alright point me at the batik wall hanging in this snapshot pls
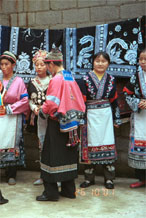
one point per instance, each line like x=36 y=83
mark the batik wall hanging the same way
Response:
x=24 y=43
x=120 y=40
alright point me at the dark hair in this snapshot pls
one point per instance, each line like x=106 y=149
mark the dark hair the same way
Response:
x=57 y=63
x=139 y=51
x=7 y=58
x=142 y=51
x=104 y=54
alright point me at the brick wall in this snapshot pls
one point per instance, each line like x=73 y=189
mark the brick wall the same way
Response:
x=58 y=14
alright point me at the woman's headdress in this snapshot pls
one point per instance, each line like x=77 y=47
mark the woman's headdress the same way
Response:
x=39 y=55
x=9 y=55
x=54 y=55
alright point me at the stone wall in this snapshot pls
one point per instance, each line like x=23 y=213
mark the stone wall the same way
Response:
x=59 y=14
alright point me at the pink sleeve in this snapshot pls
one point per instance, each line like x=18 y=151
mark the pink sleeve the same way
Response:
x=53 y=96
x=22 y=105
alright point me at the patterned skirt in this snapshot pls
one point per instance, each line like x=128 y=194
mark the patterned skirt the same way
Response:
x=137 y=145
x=97 y=136
x=58 y=162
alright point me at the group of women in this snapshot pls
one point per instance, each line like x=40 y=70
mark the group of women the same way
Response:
x=59 y=105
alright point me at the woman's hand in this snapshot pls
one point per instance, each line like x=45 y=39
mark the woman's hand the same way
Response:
x=116 y=125
x=36 y=111
x=142 y=104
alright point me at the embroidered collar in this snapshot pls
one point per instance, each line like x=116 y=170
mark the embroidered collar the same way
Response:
x=41 y=85
x=10 y=81
x=98 y=83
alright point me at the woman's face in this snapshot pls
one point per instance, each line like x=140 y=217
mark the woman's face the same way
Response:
x=100 y=64
x=6 y=67
x=142 y=60
x=40 y=68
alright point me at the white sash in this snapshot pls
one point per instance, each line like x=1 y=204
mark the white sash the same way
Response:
x=140 y=125
x=100 y=129
x=8 y=125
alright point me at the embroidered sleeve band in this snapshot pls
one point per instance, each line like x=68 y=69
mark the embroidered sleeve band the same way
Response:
x=53 y=98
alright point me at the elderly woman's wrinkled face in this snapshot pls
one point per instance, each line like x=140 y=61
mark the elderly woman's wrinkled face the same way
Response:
x=142 y=60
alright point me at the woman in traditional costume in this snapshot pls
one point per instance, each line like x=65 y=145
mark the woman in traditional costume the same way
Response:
x=135 y=93
x=37 y=88
x=65 y=107
x=14 y=104
x=97 y=136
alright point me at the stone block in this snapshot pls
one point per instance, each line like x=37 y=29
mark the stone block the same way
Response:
x=40 y=27
x=12 y=6
x=14 y=20
x=121 y=2
x=62 y=4
x=134 y=10
x=50 y=17
x=4 y=20
x=76 y=15
x=91 y=3
x=80 y=25
x=0 y=7
x=104 y=13
x=112 y=21
x=62 y=26
x=36 y=5
x=31 y=19
x=22 y=21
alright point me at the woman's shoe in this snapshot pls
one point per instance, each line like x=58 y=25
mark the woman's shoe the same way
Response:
x=63 y=194
x=2 y=199
x=46 y=198
x=138 y=184
x=86 y=184
x=12 y=181
x=38 y=182
x=109 y=184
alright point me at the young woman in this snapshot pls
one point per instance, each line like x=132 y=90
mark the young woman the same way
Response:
x=37 y=88
x=65 y=106
x=14 y=105
x=97 y=137
x=135 y=93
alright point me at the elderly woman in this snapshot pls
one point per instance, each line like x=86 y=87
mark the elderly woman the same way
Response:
x=14 y=103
